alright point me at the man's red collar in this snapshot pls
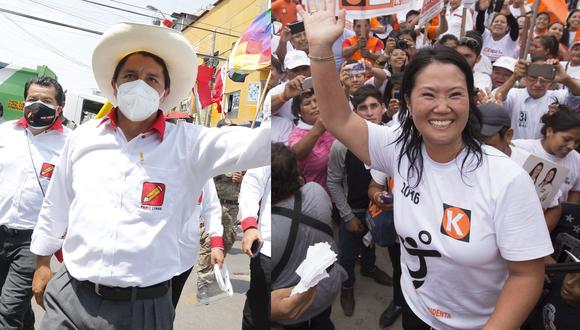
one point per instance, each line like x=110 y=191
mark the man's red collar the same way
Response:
x=57 y=125
x=158 y=125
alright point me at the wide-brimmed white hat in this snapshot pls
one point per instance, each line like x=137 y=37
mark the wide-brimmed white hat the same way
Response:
x=125 y=38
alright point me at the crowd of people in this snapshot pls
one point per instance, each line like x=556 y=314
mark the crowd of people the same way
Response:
x=431 y=126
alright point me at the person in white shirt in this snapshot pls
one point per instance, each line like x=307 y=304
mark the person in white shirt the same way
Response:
x=497 y=132
x=560 y=136
x=208 y=208
x=454 y=17
x=501 y=38
x=572 y=67
x=255 y=200
x=457 y=226
x=470 y=47
x=29 y=151
x=527 y=105
x=123 y=188
x=297 y=67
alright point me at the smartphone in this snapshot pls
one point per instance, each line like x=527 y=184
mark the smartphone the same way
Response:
x=396 y=95
x=307 y=84
x=498 y=5
x=296 y=27
x=546 y=71
x=256 y=247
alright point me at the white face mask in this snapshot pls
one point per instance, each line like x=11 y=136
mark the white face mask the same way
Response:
x=137 y=100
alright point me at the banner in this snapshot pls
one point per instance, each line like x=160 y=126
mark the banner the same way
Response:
x=360 y=9
x=430 y=9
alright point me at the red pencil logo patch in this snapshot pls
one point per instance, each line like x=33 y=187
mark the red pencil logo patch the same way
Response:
x=153 y=193
x=46 y=170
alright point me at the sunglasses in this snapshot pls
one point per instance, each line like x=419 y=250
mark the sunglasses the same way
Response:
x=469 y=42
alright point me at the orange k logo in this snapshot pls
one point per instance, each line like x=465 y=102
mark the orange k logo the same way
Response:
x=456 y=222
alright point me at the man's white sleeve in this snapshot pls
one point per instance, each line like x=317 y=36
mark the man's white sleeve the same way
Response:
x=211 y=211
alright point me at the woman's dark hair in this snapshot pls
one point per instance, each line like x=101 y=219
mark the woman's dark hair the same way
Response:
x=410 y=138
x=541 y=165
x=285 y=173
x=565 y=35
x=561 y=120
x=395 y=80
x=297 y=102
x=570 y=15
x=155 y=58
x=276 y=65
x=544 y=13
x=550 y=43
x=544 y=182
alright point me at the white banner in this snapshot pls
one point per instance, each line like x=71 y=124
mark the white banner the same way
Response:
x=361 y=9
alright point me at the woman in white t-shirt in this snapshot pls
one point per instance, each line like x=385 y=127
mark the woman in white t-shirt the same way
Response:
x=501 y=38
x=561 y=135
x=472 y=232
x=572 y=67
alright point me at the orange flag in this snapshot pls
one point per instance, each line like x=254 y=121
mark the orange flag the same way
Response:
x=557 y=8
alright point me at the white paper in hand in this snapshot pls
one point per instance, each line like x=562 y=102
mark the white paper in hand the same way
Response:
x=313 y=269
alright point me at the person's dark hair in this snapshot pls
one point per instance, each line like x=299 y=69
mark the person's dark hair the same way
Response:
x=565 y=35
x=156 y=58
x=410 y=138
x=541 y=165
x=446 y=38
x=550 y=43
x=364 y=92
x=395 y=80
x=544 y=182
x=561 y=120
x=285 y=173
x=569 y=16
x=410 y=32
x=544 y=13
x=276 y=65
x=297 y=102
x=473 y=41
x=47 y=82
x=360 y=19
x=410 y=13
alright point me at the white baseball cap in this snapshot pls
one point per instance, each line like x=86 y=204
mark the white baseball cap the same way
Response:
x=506 y=62
x=296 y=58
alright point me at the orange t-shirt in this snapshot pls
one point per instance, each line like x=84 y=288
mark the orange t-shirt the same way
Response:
x=285 y=11
x=373 y=45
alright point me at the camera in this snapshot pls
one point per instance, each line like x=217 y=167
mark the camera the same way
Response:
x=401 y=43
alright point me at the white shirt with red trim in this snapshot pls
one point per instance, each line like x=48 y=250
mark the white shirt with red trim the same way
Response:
x=207 y=206
x=124 y=204
x=255 y=197
x=23 y=171
x=458 y=228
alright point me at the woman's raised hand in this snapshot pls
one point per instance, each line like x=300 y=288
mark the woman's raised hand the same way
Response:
x=322 y=27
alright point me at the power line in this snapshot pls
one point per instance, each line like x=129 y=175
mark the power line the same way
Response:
x=68 y=13
x=49 y=21
x=117 y=8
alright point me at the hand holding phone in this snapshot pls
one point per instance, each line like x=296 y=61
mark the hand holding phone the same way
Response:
x=307 y=84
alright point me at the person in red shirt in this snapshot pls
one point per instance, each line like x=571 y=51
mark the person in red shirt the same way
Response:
x=362 y=45
x=284 y=10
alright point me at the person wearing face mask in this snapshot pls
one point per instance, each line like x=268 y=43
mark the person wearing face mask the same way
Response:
x=124 y=193
x=29 y=149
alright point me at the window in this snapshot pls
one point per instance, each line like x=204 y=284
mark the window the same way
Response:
x=233 y=104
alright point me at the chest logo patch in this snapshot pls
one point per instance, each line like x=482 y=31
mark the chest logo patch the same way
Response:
x=153 y=193
x=46 y=170
x=456 y=222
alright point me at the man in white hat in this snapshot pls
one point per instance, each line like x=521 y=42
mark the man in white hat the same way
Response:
x=124 y=188
x=503 y=69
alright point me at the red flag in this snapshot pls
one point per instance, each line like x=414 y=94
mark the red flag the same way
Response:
x=218 y=90
x=204 y=74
